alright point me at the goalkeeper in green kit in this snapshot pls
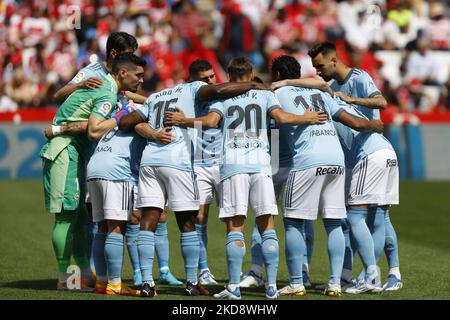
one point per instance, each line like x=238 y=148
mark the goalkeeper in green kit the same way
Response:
x=83 y=117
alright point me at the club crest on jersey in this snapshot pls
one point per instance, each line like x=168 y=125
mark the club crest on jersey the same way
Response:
x=79 y=77
x=105 y=108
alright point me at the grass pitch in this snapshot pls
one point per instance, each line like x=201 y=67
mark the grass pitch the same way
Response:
x=29 y=270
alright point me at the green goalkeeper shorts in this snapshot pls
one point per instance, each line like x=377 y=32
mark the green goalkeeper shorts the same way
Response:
x=64 y=181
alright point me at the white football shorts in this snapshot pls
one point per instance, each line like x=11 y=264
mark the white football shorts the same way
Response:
x=236 y=191
x=315 y=191
x=208 y=180
x=374 y=180
x=111 y=200
x=158 y=184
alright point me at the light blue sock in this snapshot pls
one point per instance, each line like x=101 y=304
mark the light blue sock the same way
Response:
x=235 y=256
x=114 y=255
x=98 y=252
x=348 y=257
x=295 y=249
x=357 y=219
x=309 y=239
x=190 y=249
x=375 y=222
x=336 y=248
x=146 y=249
x=271 y=252
x=131 y=236
x=256 y=252
x=92 y=228
x=162 y=245
x=202 y=233
x=391 y=245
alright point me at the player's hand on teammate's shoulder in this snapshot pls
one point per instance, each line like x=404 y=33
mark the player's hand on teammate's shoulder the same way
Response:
x=313 y=117
x=278 y=84
x=319 y=84
x=377 y=125
x=174 y=118
x=91 y=83
x=328 y=89
x=164 y=135
x=343 y=96
x=261 y=86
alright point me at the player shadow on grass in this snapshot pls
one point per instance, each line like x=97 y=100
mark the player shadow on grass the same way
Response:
x=39 y=284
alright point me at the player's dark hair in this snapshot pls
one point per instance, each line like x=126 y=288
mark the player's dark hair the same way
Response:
x=287 y=66
x=239 y=67
x=128 y=61
x=323 y=48
x=120 y=41
x=197 y=66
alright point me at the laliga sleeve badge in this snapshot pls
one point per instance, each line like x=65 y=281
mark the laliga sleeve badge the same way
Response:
x=79 y=77
x=105 y=108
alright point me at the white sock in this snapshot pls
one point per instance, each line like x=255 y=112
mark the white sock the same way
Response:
x=396 y=272
x=273 y=285
x=115 y=280
x=372 y=272
x=233 y=287
x=151 y=283
x=164 y=268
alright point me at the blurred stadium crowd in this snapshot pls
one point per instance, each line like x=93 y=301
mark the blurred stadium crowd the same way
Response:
x=402 y=44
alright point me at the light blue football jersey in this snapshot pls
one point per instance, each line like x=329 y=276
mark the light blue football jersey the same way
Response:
x=245 y=120
x=314 y=145
x=357 y=145
x=96 y=69
x=208 y=147
x=359 y=84
x=285 y=145
x=179 y=153
x=117 y=157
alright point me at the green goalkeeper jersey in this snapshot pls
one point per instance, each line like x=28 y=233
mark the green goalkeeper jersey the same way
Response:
x=78 y=107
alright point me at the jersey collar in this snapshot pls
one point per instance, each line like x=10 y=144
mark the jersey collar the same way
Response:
x=347 y=77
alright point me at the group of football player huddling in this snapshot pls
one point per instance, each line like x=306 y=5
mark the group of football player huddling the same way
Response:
x=115 y=162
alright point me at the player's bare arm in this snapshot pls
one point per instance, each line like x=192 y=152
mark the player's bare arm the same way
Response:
x=309 y=117
x=71 y=129
x=63 y=93
x=211 y=120
x=137 y=98
x=227 y=90
x=376 y=102
x=360 y=124
x=304 y=82
x=163 y=136
x=97 y=127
